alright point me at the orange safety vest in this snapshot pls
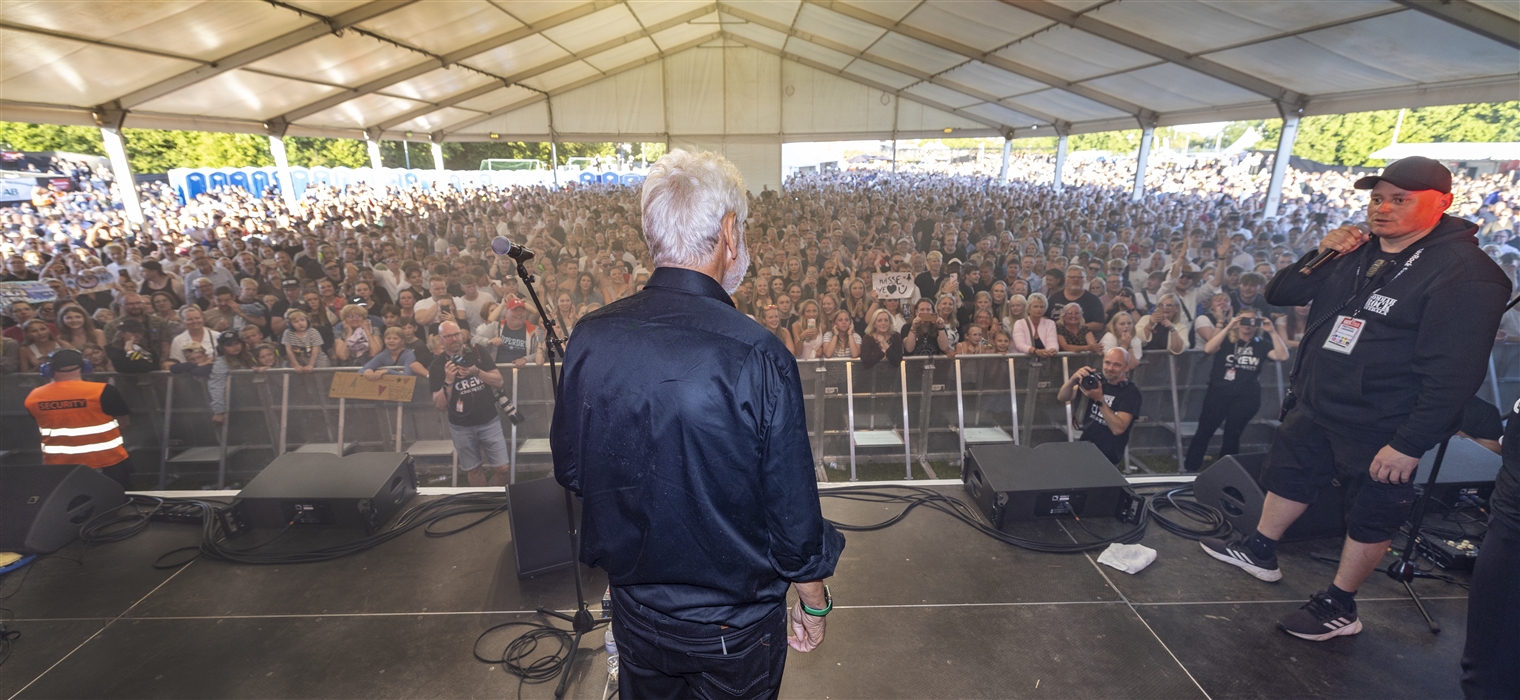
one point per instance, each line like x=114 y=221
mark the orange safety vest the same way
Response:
x=74 y=428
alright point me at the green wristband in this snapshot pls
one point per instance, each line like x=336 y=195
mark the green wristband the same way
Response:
x=828 y=600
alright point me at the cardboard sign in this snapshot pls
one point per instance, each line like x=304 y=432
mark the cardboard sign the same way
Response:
x=390 y=387
x=892 y=285
x=34 y=292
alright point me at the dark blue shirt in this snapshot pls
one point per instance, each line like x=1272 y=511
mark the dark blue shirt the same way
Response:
x=680 y=423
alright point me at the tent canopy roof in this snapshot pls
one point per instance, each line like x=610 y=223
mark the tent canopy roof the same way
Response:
x=733 y=70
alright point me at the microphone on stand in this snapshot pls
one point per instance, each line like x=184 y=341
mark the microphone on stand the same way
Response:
x=502 y=246
x=1325 y=255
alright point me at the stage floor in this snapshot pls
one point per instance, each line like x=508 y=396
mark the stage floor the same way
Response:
x=925 y=609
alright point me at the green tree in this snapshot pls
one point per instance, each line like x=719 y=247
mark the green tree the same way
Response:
x=312 y=151
x=52 y=137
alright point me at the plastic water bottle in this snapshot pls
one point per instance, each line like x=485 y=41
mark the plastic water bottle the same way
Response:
x=612 y=655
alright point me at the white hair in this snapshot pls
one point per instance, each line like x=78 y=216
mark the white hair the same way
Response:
x=686 y=196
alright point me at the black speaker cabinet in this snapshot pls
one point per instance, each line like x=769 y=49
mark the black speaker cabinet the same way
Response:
x=1233 y=485
x=308 y=489
x=541 y=522
x=1010 y=483
x=1467 y=473
x=43 y=505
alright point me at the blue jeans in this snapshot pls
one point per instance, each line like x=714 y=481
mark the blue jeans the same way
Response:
x=662 y=657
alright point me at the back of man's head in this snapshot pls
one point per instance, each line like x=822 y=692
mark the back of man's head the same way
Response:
x=685 y=199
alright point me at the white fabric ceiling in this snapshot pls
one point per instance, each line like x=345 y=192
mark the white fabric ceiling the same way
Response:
x=739 y=72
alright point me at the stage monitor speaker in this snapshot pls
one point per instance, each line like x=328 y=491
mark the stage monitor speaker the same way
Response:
x=43 y=505
x=1233 y=485
x=308 y=489
x=1010 y=483
x=1467 y=474
x=541 y=525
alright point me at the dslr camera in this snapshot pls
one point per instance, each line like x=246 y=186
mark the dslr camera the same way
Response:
x=503 y=399
x=1091 y=380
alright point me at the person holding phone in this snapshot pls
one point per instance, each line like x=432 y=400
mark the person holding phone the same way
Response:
x=807 y=336
x=1234 y=393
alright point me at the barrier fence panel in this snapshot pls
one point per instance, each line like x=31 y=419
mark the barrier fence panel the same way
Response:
x=828 y=420
x=937 y=437
x=530 y=439
x=311 y=417
x=985 y=402
x=1154 y=430
x=1503 y=386
x=877 y=427
x=885 y=417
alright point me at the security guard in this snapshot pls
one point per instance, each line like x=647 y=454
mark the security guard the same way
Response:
x=1402 y=324
x=80 y=421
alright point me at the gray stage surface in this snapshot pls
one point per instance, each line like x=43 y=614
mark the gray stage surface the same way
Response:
x=925 y=609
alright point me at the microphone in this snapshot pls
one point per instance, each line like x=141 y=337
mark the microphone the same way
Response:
x=502 y=246
x=1326 y=255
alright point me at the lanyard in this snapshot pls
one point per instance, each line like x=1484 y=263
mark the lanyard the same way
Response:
x=1403 y=261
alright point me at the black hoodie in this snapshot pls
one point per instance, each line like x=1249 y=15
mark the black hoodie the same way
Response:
x=1431 y=315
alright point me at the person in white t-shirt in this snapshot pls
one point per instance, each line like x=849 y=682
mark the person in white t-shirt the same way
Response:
x=426 y=310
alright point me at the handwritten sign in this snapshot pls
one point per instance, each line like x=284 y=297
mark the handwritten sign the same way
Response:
x=389 y=387
x=892 y=285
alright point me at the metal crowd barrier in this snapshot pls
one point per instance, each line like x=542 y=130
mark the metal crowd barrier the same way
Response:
x=919 y=414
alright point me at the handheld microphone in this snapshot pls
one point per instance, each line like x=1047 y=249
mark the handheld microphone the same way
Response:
x=502 y=246
x=1326 y=255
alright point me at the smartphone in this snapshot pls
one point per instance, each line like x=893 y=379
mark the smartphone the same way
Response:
x=812 y=322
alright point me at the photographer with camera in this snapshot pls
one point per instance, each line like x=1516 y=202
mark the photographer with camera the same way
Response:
x=462 y=380
x=926 y=335
x=1112 y=403
x=1234 y=392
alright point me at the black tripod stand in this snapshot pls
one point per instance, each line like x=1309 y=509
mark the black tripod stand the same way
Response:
x=1404 y=570
x=581 y=623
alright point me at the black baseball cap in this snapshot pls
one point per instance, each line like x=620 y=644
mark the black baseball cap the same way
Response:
x=65 y=360
x=228 y=338
x=1413 y=173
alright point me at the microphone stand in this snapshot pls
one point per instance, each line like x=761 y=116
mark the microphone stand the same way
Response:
x=581 y=623
x=1404 y=571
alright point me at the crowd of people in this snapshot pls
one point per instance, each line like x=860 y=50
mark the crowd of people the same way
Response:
x=364 y=278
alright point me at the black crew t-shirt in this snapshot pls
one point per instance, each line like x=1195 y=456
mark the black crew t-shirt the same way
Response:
x=1246 y=359
x=1122 y=398
x=470 y=401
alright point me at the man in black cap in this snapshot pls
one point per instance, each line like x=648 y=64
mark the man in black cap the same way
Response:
x=1397 y=342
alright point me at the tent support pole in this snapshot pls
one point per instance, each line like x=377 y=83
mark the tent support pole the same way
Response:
x=1290 y=114
x=1147 y=135
x=110 y=121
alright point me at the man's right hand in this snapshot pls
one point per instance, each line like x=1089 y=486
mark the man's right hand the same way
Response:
x=1343 y=240
x=807 y=630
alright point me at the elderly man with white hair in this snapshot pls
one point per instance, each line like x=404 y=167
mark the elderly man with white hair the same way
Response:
x=680 y=423
x=1112 y=403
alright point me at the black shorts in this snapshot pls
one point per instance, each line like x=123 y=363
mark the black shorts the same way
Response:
x=1305 y=458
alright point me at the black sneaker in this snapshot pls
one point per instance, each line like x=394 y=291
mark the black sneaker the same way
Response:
x=1237 y=553
x=1320 y=619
